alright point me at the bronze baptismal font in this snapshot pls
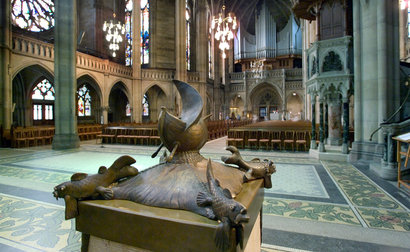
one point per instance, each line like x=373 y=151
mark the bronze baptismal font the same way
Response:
x=184 y=179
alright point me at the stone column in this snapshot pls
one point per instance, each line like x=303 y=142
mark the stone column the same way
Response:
x=104 y=110
x=345 y=145
x=321 y=128
x=313 y=111
x=335 y=123
x=326 y=122
x=136 y=62
x=180 y=41
x=65 y=46
x=376 y=75
x=5 y=78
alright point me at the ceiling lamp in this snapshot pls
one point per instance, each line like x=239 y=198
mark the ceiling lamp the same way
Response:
x=404 y=4
x=114 y=32
x=225 y=27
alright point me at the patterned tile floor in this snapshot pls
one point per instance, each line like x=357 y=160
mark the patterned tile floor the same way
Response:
x=306 y=193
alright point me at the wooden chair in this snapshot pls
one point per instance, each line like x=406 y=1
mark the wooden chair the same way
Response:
x=38 y=137
x=19 y=138
x=264 y=140
x=239 y=139
x=253 y=137
x=231 y=138
x=276 y=139
x=289 y=139
x=154 y=139
x=109 y=135
x=122 y=136
x=48 y=135
x=29 y=135
x=301 y=139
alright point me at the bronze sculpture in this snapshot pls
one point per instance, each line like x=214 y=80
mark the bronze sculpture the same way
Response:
x=185 y=179
x=230 y=212
x=83 y=186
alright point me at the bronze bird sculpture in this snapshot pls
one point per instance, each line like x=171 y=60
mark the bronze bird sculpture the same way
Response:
x=189 y=132
x=84 y=186
x=229 y=212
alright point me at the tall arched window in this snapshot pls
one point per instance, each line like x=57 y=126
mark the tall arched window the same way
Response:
x=210 y=72
x=84 y=101
x=188 y=35
x=43 y=102
x=144 y=31
x=145 y=106
x=33 y=15
x=128 y=32
x=128 y=109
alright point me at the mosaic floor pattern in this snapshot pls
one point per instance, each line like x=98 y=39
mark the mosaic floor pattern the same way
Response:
x=39 y=225
x=301 y=180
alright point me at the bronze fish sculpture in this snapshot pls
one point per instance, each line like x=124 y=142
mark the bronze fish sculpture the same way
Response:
x=229 y=212
x=255 y=169
x=84 y=186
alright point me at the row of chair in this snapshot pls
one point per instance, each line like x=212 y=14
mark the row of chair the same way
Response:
x=140 y=136
x=33 y=136
x=43 y=135
x=266 y=139
x=89 y=132
x=219 y=128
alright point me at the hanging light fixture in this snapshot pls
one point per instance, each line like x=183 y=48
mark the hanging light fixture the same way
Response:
x=404 y=4
x=114 y=32
x=225 y=27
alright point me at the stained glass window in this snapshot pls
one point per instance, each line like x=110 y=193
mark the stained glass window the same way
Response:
x=33 y=15
x=84 y=101
x=43 y=98
x=144 y=31
x=128 y=109
x=210 y=74
x=188 y=35
x=43 y=91
x=408 y=22
x=145 y=106
x=128 y=32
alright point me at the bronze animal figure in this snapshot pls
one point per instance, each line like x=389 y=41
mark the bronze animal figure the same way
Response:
x=189 y=132
x=255 y=169
x=229 y=212
x=84 y=186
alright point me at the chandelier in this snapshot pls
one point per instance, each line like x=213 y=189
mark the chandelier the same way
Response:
x=404 y=4
x=114 y=34
x=225 y=27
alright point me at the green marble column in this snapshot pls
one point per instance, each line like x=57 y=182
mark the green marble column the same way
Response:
x=5 y=78
x=65 y=46
x=321 y=128
x=326 y=122
x=313 y=138
x=345 y=145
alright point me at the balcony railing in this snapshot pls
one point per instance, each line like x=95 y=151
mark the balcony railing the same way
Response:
x=267 y=53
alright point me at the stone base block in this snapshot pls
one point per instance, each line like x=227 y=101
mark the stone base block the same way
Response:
x=366 y=151
x=65 y=141
x=385 y=170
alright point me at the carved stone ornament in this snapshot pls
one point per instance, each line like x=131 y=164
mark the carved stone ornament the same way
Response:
x=332 y=62
x=182 y=180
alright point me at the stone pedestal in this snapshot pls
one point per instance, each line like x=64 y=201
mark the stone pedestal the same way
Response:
x=119 y=225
